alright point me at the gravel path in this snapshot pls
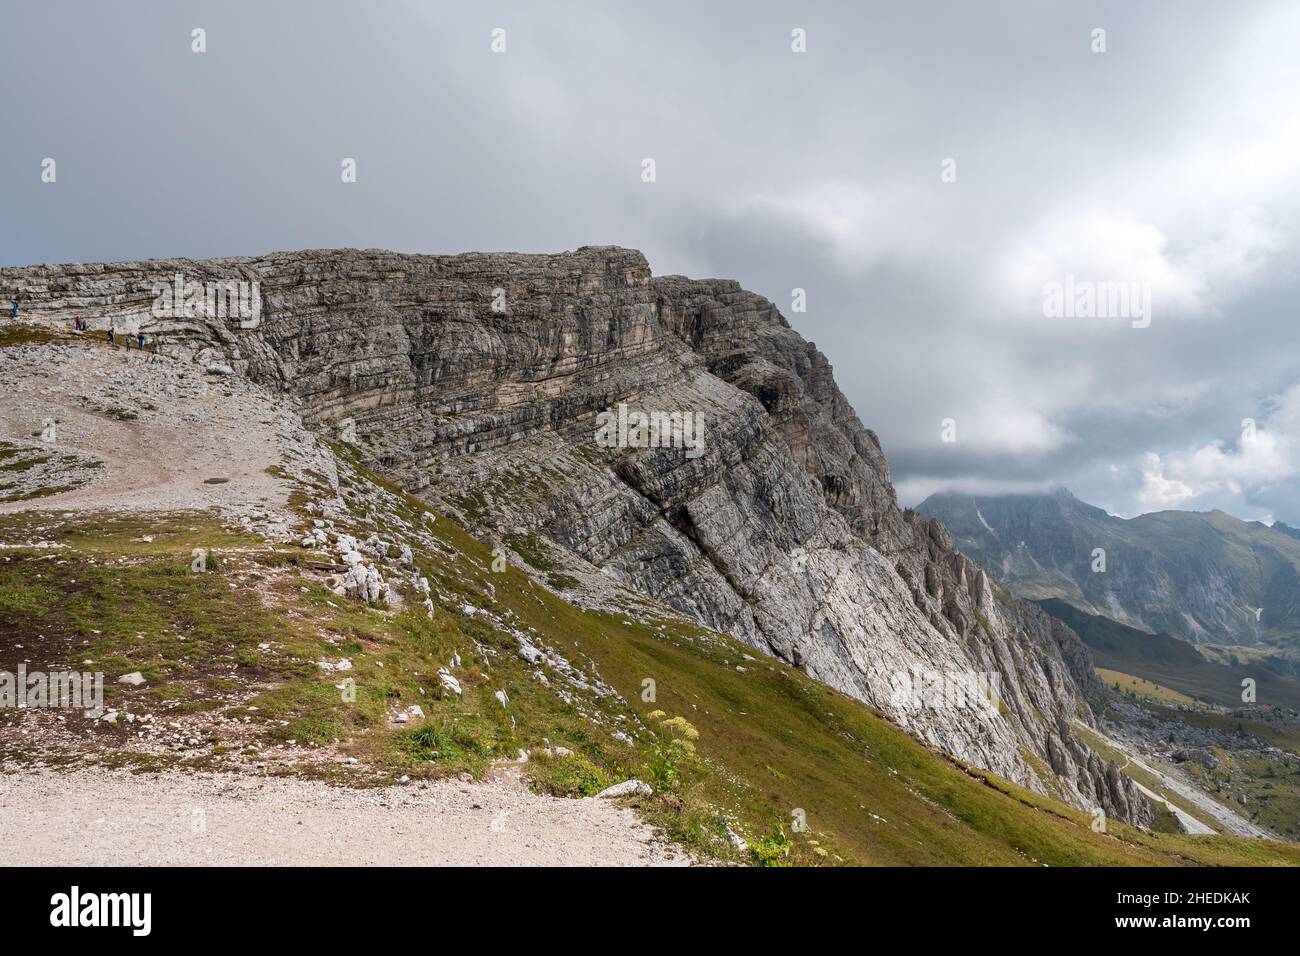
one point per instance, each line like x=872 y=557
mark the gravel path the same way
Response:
x=93 y=818
x=1188 y=822
x=160 y=428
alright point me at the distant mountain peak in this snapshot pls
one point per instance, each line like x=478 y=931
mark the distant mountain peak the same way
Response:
x=1196 y=575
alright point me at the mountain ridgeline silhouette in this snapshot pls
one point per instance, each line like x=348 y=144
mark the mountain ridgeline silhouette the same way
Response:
x=1204 y=577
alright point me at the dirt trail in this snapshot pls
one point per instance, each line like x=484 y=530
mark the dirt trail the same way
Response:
x=1188 y=822
x=161 y=428
x=96 y=818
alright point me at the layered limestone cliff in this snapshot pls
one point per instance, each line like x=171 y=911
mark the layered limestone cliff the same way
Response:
x=482 y=382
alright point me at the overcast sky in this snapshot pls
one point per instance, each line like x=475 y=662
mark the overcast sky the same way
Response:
x=1171 y=160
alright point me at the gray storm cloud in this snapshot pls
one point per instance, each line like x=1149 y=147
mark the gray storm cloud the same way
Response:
x=1167 y=160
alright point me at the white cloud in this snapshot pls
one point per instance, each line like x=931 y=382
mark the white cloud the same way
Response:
x=994 y=423
x=859 y=225
x=1188 y=278
x=1265 y=454
x=1159 y=493
x=912 y=491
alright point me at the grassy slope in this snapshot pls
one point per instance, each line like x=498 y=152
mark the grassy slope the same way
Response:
x=1271 y=788
x=770 y=739
x=1141 y=687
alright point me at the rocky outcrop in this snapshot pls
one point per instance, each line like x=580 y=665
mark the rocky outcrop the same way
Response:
x=487 y=382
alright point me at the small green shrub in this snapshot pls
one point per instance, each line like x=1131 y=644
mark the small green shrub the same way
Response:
x=771 y=850
x=674 y=743
x=568 y=776
x=440 y=740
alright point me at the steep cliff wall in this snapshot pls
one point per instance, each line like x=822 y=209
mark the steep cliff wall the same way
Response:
x=480 y=380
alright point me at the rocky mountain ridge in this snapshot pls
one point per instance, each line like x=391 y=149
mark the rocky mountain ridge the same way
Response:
x=1199 y=576
x=476 y=380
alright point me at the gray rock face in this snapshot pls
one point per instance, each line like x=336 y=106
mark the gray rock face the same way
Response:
x=484 y=382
